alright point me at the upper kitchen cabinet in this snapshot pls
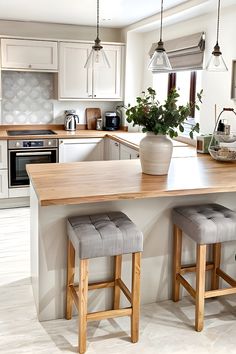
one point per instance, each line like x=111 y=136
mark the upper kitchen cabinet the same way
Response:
x=32 y=55
x=76 y=82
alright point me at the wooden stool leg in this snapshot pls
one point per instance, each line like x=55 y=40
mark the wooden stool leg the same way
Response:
x=200 y=287
x=83 y=301
x=177 y=250
x=70 y=278
x=216 y=260
x=117 y=275
x=136 y=257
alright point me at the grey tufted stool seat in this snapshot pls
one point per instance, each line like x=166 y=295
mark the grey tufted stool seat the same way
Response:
x=99 y=235
x=205 y=224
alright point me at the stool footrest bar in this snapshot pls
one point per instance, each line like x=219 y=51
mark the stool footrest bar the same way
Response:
x=220 y=292
x=99 y=285
x=102 y=315
x=191 y=268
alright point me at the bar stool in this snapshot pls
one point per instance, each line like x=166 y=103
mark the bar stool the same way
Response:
x=205 y=224
x=99 y=235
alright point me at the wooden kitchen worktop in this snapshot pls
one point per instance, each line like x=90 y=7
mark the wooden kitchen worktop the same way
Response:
x=90 y=182
x=58 y=129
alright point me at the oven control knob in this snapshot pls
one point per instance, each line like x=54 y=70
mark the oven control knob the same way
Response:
x=49 y=143
x=17 y=144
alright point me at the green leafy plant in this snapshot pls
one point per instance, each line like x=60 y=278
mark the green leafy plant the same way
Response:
x=167 y=119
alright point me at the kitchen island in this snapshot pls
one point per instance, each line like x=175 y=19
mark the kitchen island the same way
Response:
x=62 y=190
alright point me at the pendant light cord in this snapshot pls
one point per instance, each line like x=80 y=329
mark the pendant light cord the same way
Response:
x=97 y=18
x=218 y=23
x=161 y=20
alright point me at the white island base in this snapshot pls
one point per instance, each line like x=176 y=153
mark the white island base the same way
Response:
x=151 y=215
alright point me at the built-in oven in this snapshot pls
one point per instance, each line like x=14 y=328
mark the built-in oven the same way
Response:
x=23 y=152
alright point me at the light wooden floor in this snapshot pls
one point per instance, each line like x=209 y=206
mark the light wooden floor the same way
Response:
x=166 y=327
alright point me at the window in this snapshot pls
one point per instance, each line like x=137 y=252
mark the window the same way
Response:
x=188 y=83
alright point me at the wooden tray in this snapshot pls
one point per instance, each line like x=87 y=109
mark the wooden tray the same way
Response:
x=91 y=117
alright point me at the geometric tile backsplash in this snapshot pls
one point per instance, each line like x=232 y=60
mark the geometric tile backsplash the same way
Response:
x=27 y=97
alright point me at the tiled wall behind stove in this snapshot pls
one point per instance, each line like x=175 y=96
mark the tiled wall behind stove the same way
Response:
x=27 y=98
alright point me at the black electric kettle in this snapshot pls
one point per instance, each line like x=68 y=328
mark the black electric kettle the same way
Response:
x=71 y=119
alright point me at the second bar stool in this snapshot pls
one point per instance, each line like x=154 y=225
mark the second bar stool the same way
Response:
x=99 y=235
x=205 y=224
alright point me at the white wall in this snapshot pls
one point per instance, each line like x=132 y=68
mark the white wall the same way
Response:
x=57 y=31
x=216 y=86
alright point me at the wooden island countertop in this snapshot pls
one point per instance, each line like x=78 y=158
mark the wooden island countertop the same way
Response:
x=99 y=181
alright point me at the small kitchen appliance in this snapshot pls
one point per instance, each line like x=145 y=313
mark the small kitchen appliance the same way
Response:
x=71 y=119
x=111 y=121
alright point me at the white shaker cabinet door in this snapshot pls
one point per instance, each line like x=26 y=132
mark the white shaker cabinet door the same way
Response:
x=3 y=154
x=3 y=184
x=29 y=55
x=75 y=82
x=113 y=150
x=108 y=82
x=126 y=153
x=75 y=150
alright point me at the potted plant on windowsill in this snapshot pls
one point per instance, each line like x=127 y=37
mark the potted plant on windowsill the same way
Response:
x=159 y=122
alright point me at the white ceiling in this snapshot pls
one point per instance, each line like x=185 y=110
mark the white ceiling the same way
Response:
x=120 y=13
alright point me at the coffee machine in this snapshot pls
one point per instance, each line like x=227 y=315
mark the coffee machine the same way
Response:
x=111 y=121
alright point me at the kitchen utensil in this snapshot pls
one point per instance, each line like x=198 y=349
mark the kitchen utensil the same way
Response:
x=91 y=117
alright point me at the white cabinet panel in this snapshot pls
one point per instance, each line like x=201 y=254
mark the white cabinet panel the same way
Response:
x=3 y=184
x=113 y=150
x=74 y=150
x=19 y=192
x=3 y=154
x=73 y=77
x=77 y=82
x=107 y=83
x=127 y=153
x=29 y=54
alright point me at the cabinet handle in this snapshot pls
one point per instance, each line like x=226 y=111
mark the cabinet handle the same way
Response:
x=116 y=144
x=95 y=95
x=138 y=156
x=89 y=95
x=30 y=66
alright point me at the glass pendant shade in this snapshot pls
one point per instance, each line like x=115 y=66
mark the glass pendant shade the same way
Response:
x=97 y=58
x=159 y=61
x=216 y=61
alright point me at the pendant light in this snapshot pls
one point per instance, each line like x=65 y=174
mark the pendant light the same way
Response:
x=160 y=60
x=216 y=62
x=97 y=57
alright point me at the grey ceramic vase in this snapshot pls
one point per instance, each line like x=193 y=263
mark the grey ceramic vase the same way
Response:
x=155 y=154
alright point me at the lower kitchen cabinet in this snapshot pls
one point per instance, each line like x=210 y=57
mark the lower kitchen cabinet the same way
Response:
x=74 y=150
x=3 y=170
x=127 y=153
x=112 y=150
x=3 y=184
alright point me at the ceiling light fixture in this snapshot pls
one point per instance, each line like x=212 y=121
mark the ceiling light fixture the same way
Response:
x=216 y=62
x=160 y=60
x=97 y=57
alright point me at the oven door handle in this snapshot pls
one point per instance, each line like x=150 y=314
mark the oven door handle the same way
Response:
x=34 y=153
